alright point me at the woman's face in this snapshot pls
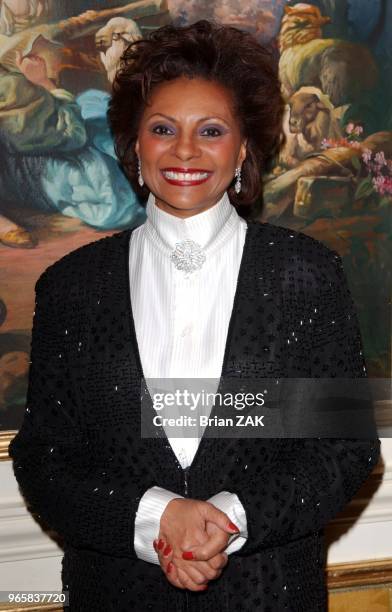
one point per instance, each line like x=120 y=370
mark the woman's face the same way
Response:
x=189 y=127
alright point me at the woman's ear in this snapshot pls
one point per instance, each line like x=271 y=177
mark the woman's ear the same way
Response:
x=242 y=154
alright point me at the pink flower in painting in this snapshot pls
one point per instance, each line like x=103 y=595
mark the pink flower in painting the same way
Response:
x=366 y=155
x=378 y=181
x=379 y=158
x=380 y=171
x=358 y=130
x=388 y=185
x=383 y=184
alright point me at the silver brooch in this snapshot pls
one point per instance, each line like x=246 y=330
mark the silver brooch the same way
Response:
x=188 y=256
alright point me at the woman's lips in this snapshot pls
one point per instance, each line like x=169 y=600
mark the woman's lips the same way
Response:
x=184 y=177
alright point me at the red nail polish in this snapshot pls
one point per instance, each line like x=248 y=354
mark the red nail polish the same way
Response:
x=167 y=550
x=169 y=567
x=205 y=587
x=155 y=546
x=161 y=544
x=187 y=555
x=233 y=527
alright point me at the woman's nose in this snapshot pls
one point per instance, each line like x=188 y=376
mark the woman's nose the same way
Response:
x=186 y=148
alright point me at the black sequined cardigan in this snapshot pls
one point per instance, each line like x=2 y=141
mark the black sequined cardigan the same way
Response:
x=83 y=466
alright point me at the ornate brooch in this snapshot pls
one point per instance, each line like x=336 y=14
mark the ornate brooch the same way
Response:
x=188 y=256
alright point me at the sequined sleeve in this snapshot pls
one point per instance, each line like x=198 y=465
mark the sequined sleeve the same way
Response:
x=88 y=506
x=312 y=479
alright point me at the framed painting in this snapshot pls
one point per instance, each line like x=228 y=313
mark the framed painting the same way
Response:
x=61 y=185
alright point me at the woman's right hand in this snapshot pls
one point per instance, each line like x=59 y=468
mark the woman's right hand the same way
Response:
x=187 y=524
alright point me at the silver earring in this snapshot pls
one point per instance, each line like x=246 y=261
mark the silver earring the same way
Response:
x=139 y=171
x=237 y=186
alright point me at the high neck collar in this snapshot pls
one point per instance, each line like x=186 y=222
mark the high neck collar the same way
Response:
x=207 y=228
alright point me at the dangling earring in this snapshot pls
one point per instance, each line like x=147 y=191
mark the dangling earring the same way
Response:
x=139 y=171
x=237 y=186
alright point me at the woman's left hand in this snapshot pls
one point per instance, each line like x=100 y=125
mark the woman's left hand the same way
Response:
x=190 y=574
x=183 y=528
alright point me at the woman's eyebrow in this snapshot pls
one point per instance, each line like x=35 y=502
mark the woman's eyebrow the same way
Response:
x=199 y=121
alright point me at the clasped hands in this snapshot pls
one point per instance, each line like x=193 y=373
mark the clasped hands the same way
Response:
x=191 y=542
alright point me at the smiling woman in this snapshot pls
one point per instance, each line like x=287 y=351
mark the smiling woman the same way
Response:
x=230 y=116
x=197 y=292
x=206 y=143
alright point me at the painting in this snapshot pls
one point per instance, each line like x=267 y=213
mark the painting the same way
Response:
x=61 y=186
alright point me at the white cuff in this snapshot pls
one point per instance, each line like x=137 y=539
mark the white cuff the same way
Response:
x=231 y=505
x=148 y=516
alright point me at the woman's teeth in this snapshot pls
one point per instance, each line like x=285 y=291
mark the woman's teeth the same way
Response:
x=185 y=176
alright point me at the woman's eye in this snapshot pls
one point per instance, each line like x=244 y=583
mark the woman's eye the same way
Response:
x=212 y=131
x=161 y=130
x=164 y=130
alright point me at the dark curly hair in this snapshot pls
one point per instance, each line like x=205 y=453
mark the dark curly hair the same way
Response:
x=229 y=56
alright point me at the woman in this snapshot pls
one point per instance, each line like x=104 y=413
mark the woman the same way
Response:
x=159 y=523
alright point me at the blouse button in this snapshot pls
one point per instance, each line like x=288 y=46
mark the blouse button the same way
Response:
x=186 y=331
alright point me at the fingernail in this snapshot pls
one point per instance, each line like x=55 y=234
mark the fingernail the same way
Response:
x=187 y=555
x=169 y=567
x=161 y=544
x=167 y=550
x=233 y=527
x=155 y=545
x=205 y=586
